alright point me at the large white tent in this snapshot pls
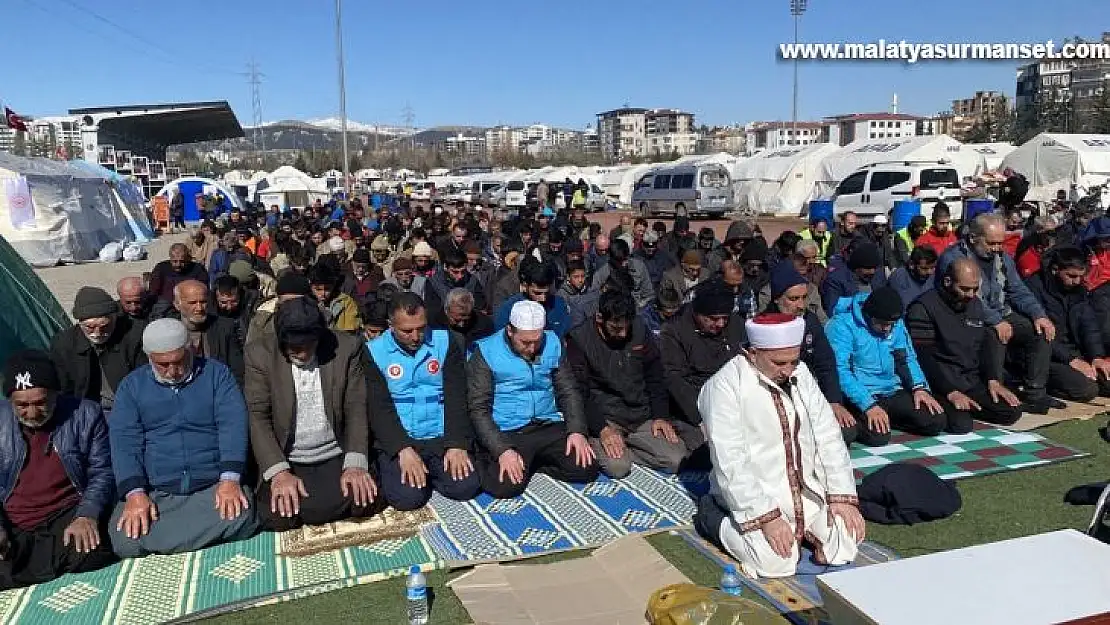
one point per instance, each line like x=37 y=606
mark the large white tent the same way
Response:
x=618 y=183
x=993 y=153
x=289 y=187
x=1056 y=161
x=779 y=182
x=53 y=212
x=857 y=154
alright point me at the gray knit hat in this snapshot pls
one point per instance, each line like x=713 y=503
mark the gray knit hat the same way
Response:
x=164 y=335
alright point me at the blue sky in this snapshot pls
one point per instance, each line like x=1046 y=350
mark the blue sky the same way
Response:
x=497 y=61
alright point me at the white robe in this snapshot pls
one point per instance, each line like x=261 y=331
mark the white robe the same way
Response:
x=776 y=454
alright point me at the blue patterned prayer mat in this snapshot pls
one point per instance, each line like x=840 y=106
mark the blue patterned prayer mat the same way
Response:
x=555 y=516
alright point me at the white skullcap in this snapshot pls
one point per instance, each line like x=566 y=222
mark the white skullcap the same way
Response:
x=528 y=316
x=775 y=331
x=422 y=249
x=879 y=219
x=164 y=335
x=438 y=210
x=335 y=244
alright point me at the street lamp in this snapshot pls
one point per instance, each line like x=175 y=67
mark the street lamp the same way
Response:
x=797 y=9
x=342 y=97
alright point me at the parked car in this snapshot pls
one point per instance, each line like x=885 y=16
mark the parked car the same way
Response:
x=684 y=190
x=873 y=190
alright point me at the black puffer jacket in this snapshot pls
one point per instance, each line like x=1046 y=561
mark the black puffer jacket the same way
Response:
x=1078 y=334
x=623 y=384
x=79 y=363
x=949 y=343
x=690 y=358
x=222 y=335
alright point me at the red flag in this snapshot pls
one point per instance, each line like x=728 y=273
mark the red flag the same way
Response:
x=15 y=122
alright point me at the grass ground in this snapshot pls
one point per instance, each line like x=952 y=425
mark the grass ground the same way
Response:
x=995 y=508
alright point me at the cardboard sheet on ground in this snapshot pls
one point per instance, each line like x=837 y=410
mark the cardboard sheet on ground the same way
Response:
x=1075 y=410
x=611 y=586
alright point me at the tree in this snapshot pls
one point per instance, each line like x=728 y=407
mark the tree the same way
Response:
x=300 y=163
x=1098 y=119
x=982 y=131
x=355 y=163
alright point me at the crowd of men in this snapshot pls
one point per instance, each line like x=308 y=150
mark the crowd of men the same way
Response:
x=302 y=367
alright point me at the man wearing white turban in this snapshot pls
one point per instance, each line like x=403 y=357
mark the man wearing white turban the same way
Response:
x=781 y=471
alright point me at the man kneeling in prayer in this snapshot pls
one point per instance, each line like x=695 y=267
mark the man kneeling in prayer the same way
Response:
x=781 y=472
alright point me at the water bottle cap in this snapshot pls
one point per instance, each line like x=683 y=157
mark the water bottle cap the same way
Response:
x=730 y=569
x=414 y=569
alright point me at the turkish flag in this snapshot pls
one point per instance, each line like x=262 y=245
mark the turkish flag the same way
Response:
x=15 y=122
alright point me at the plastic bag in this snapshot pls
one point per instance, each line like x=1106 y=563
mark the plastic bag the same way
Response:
x=111 y=253
x=134 y=252
x=687 y=604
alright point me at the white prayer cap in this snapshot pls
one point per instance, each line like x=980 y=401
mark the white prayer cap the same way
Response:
x=879 y=220
x=438 y=210
x=422 y=249
x=528 y=316
x=775 y=331
x=164 y=335
x=335 y=244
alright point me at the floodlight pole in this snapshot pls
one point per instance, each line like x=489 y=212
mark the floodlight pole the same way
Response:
x=342 y=98
x=797 y=8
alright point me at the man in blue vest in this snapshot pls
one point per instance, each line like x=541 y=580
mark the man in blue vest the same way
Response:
x=525 y=406
x=418 y=409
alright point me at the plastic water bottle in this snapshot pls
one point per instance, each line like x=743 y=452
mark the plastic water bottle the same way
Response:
x=730 y=581
x=417 y=591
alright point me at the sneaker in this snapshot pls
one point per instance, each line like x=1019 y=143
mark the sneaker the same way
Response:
x=1040 y=402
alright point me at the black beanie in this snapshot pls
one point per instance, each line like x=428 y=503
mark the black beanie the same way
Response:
x=361 y=255
x=92 y=302
x=292 y=283
x=865 y=256
x=30 y=369
x=756 y=249
x=883 y=304
x=298 y=321
x=714 y=298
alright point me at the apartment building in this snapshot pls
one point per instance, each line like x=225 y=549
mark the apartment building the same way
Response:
x=636 y=132
x=760 y=136
x=844 y=129
x=1078 y=80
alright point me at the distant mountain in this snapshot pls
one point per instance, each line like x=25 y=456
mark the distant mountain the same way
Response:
x=326 y=134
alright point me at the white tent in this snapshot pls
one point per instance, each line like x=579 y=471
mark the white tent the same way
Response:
x=53 y=212
x=842 y=163
x=779 y=182
x=618 y=183
x=289 y=187
x=993 y=153
x=1056 y=161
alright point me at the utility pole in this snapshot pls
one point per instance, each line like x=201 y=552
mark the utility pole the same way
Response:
x=410 y=118
x=342 y=97
x=254 y=78
x=797 y=9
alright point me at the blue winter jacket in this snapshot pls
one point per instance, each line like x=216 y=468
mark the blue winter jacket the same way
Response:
x=1011 y=290
x=842 y=282
x=558 y=314
x=80 y=439
x=178 y=440
x=868 y=364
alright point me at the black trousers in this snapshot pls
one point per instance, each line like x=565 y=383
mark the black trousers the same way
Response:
x=404 y=497
x=998 y=413
x=1027 y=353
x=1067 y=383
x=41 y=555
x=543 y=447
x=325 y=502
x=903 y=416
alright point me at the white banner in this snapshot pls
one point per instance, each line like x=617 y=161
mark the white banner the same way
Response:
x=21 y=208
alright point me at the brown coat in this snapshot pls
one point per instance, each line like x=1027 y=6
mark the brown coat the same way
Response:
x=272 y=402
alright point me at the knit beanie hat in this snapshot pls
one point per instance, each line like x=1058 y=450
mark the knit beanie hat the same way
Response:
x=691 y=257
x=292 y=283
x=756 y=249
x=298 y=321
x=883 y=304
x=380 y=243
x=92 y=302
x=866 y=256
x=241 y=270
x=714 y=298
x=403 y=263
x=30 y=369
x=783 y=278
x=361 y=255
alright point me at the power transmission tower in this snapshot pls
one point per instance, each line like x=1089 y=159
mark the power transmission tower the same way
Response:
x=254 y=78
x=410 y=117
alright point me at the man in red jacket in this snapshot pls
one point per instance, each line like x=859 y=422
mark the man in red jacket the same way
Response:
x=940 y=235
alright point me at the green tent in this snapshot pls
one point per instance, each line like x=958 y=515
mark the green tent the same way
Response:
x=30 y=316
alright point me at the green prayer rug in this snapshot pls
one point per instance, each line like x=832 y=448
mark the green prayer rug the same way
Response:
x=238 y=575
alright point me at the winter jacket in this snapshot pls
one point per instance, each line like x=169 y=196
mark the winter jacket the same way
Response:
x=506 y=393
x=558 y=314
x=642 y=290
x=690 y=358
x=163 y=278
x=909 y=288
x=442 y=284
x=842 y=282
x=938 y=242
x=1000 y=294
x=871 y=366
x=178 y=439
x=949 y=343
x=363 y=290
x=1078 y=333
x=622 y=385
x=813 y=302
x=79 y=363
x=818 y=356
x=222 y=342
x=675 y=279
x=657 y=264
x=80 y=438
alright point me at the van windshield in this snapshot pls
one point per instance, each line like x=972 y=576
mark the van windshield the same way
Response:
x=490 y=186
x=515 y=185
x=714 y=178
x=939 y=178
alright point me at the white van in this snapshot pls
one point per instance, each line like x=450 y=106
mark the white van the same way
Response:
x=873 y=190
x=422 y=190
x=516 y=191
x=479 y=187
x=684 y=190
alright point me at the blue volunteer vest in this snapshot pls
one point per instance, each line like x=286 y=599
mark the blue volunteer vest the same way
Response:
x=415 y=381
x=522 y=392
